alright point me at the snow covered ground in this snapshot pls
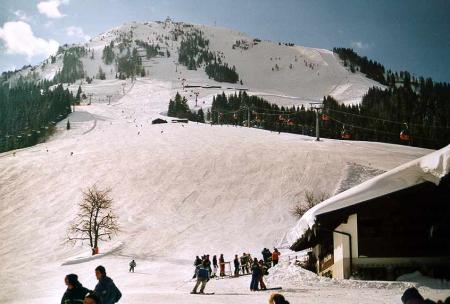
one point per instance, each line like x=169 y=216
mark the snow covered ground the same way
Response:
x=180 y=190
x=285 y=75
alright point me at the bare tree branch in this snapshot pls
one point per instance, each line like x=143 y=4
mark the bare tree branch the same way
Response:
x=95 y=219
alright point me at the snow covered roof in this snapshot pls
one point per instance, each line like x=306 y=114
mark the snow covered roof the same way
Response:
x=432 y=168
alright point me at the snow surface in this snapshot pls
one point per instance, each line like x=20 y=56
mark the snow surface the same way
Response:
x=431 y=167
x=180 y=190
x=315 y=73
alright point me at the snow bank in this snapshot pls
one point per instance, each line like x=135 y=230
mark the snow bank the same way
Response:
x=422 y=280
x=431 y=167
x=291 y=275
x=86 y=256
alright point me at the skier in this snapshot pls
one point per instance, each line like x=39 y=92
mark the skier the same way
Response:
x=236 y=265
x=263 y=272
x=214 y=266
x=244 y=263
x=266 y=254
x=132 y=265
x=106 y=289
x=75 y=292
x=197 y=262
x=202 y=274
x=222 y=265
x=275 y=256
x=208 y=264
x=256 y=273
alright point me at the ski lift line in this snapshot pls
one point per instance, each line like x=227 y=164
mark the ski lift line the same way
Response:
x=378 y=131
x=273 y=110
x=228 y=112
x=385 y=120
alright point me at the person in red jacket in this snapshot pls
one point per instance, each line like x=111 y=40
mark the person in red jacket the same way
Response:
x=275 y=255
x=222 y=265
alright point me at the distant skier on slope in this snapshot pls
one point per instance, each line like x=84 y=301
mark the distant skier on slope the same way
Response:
x=132 y=265
x=75 y=292
x=202 y=274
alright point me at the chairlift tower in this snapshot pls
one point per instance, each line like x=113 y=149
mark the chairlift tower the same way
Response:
x=196 y=95
x=90 y=97
x=317 y=106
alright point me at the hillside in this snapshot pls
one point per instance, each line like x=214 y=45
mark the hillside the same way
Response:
x=282 y=73
x=180 y=190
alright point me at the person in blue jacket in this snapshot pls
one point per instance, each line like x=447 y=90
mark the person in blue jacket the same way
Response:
x=106 y=289
x=202 y=273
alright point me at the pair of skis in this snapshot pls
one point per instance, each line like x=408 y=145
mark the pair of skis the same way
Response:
x=211 y=293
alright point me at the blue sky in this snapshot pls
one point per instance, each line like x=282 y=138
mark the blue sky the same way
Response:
x=411 y=35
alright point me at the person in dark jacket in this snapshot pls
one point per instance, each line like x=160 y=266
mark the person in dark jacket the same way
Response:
x=256 y=274
x=75 y=292
x=106 y=289
x=236 y=265
x=132 y=265
x=263 y=272
x=215 y=266
x=197 y=262
x=202 y=272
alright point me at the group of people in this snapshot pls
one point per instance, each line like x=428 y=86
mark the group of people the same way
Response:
x=105 y=292
x=243 y=264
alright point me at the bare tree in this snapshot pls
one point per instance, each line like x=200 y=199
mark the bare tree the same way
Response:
x=95 y=220
x=311 y=199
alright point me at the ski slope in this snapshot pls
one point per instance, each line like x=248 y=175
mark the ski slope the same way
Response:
x=285 y=75
x=180 y=190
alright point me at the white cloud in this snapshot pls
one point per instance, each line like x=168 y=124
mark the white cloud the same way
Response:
x=50 y=8
x=19 y=39
x=361 y=45
x=75 y=31
x=22 y=15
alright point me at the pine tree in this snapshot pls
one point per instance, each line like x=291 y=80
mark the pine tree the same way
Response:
x=201 y=116
x=78 y=96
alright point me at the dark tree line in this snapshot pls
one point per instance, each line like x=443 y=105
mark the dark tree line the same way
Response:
x=28 y=113
x=180 y=109
x=371 y=69
x=222 y=73
x=194 y=52
x=72 y=66
x=108 y=55
x=130 y=65
x=237 y=108
x=424 y=113
x=150 y=50
x=382 y=115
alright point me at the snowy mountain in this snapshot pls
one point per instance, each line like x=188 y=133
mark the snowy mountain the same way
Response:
x=180 y=190
x=285 y=74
